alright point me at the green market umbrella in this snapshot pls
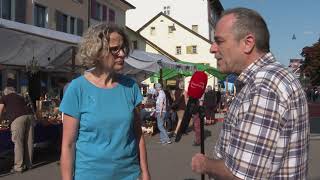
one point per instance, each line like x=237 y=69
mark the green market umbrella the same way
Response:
x=171 y=73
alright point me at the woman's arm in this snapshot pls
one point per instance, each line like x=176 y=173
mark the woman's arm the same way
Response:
x=142 y=148
x=70 y=131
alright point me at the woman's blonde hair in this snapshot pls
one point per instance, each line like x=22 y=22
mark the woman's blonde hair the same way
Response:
x=95 y=43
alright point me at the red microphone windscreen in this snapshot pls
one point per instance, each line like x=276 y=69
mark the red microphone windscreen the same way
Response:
x=198 y=84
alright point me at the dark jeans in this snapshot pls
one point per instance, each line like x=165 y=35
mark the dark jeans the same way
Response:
x=171 y=120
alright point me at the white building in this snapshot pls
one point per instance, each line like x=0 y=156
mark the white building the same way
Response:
x=179 y=41
x=194 y=14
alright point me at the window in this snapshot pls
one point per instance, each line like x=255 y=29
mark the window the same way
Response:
x=178 y=50
x=195 y=28
x=112 y=16
x=64 y=23
x=166 y=10
x=101 y=12
x=191 y=49
x=5 y=9
x=194 y=49
x=135 y=44
x=98 y=14
x=68 y=24
x=61 y=22
x=78 y=1
x=39 y=16
x=79 y=27
x=72 y=25
x=96 y=10
x=171 y=29
x=152 y=30
x=104 y=13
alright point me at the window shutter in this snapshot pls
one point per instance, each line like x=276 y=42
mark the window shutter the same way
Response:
x=104 y=13
x=79 y=27
x=112 y=16
x=93 y=9
x=58 y=16
x=189 y=49
x=20 y=11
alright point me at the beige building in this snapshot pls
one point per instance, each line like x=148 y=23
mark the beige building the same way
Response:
x=65 y=16
x=72 y=16
x=110 y=11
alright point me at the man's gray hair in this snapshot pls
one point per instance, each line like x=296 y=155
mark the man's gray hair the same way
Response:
x=8 y=90
x=250 y=21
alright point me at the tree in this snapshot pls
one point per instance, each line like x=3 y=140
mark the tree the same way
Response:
x=311 y=64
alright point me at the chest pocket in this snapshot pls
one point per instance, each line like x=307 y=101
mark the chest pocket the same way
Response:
x=239 y=107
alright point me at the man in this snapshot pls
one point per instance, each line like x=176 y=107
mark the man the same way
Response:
x=161 y=112
x=21 y=119
x=266 y=132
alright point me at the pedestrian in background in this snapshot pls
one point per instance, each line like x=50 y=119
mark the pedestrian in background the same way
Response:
x=179 y=104
x=102 y=136
x=210 y=105
x=161 y=110
x=169 y=112
x=21 y=119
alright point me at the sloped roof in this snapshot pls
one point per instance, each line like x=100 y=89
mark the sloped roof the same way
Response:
x=175 y=21
x=130 y=6
x=161 y=51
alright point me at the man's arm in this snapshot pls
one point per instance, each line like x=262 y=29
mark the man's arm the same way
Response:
x=214 y=168
x=252 y=143
x=1 y=109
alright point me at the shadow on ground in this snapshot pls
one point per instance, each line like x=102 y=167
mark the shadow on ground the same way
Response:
x=41 y=157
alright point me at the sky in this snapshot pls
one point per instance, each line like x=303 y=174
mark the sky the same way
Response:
x=284 y=18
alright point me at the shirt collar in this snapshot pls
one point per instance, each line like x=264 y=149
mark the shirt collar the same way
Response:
x=247 y=75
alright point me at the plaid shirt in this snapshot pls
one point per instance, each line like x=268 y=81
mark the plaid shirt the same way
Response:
x=266 y=132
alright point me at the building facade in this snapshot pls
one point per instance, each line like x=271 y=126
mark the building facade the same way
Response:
x=199 y=15
x=179 y=41
x=65 y=16
x=72 y=17
x=109 y=11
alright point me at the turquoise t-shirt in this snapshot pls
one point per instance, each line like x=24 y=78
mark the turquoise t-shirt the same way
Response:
x=106 y=147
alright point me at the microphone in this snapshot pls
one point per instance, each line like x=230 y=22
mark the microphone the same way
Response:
x=196 y=89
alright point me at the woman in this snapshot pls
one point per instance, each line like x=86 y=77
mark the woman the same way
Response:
x=101 y=127
x=180 y=103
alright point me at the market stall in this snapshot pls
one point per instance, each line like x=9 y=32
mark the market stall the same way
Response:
x=141 y=65
x=35 y=56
